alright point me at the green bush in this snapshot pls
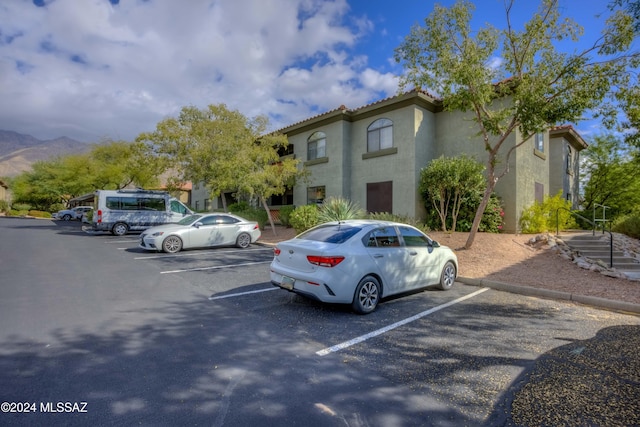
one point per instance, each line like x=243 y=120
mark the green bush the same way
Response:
x=239 y=207
x=628 y=224
x=21 y=207
x=304 y=217
x=14 y=212
x=493 y=216
x=541 y=217
x=39 y=214
x=4 y=206
x=285 y=215
x=338 y=209
x=252 y=214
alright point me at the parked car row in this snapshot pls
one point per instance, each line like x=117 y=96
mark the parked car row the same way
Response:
x=72 y=214
x=356 y=262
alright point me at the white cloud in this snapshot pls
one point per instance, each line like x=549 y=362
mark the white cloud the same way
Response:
x=90 y=70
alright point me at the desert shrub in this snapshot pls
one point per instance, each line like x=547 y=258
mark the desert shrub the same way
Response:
x=304 y=217
x=541 y=217
x=15 y=212
x=238 y=207
x=21 y=207
x=338 y=209
x=4 y=206
x=39 y=214
x=493 y=216
x=285 y=215
x=628 y=224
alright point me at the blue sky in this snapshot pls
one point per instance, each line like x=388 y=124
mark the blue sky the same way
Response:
x=105 y=69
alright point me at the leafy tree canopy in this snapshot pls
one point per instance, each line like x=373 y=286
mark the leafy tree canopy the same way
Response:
x=225 y=150
x=540 y=85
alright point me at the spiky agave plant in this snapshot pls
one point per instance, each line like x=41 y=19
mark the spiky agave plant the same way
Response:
x=338 y=209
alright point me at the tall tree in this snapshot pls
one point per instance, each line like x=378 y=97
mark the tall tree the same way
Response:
x=118 y=164
x=532 y=87
x=226 y=151
x=610 y=176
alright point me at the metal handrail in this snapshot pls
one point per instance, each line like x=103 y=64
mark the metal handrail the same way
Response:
x=594 y=228
x=604 y=216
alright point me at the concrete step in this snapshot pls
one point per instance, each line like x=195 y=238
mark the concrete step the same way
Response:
x=593 y=247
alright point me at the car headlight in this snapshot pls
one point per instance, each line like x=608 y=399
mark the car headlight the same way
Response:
x=157 y=233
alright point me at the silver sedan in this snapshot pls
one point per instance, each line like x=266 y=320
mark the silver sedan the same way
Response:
x=201 y=231
x=358 y=262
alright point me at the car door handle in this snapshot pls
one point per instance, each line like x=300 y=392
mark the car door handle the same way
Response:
x=413 y=253
x=378 y=256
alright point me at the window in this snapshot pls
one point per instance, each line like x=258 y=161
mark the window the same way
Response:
x=316 y=145
x=413 y=237
x=382 y=237
x=539 y=141
x=316 y=195
x=135 y=204
x=569 y=161
x=380 y=135
x=178 y=207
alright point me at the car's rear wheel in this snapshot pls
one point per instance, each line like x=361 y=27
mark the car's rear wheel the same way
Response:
x=66 y=217
x=120 y=229
x=172 y=244
x=448 y=276
x=243 y=241
x=367 y=295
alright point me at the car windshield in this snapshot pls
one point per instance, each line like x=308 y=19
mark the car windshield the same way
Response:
x=188 y=220
x=333 y=233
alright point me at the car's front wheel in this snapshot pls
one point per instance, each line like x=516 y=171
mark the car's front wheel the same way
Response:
x=367 y=295
x=120 y=229
x=66 y=217
x=448 y=276
x=243 y=241
x=172 y=244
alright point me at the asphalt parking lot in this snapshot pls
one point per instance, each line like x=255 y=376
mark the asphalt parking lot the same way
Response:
x=202 y=337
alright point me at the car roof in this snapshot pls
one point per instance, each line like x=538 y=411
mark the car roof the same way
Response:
x=366 y=222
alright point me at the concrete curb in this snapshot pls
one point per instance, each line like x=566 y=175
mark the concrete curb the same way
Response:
x=552 y=294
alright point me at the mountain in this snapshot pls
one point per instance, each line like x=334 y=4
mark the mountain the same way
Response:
x=19 y=151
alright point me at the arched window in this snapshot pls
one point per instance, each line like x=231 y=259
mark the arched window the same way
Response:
x=380 y=135
x=316 y=145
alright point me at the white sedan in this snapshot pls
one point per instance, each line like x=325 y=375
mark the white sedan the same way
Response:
x=73 y=213
x=201 y=231
x=358 y=262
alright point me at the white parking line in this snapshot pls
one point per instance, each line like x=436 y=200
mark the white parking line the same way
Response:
x=365 y=337
x=202 y=253
x=243 y=293
x=214 y=267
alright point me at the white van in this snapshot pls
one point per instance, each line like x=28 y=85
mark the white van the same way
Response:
x=121 y=211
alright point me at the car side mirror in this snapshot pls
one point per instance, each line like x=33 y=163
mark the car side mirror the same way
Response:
x=197 y=224
x=435 y=244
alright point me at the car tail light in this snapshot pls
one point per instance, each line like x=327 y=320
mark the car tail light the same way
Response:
x=276 y=251
x=325 y=261
x=99 y=216
x=255 y=227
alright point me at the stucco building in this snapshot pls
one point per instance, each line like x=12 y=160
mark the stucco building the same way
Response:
x=373 y=156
